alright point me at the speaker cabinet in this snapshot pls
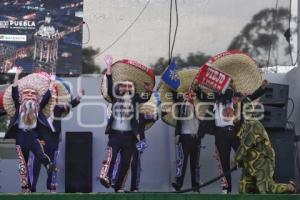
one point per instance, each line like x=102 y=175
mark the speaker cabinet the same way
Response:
x=274 y=117
x=283 y=144
x=275 y=94
x=78 y=162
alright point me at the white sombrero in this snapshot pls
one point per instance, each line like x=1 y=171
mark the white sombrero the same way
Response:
x=128 y=70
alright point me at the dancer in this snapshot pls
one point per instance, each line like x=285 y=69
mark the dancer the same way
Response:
x=50 y=138
x=23 y=127
x=122 y=127
x=188 y=141
x=225 y=131
x=256 y=156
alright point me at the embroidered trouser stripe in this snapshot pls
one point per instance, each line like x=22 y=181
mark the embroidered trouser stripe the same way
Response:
x=106 y=164
x=23 y=171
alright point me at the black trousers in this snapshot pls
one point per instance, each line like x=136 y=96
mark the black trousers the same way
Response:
x=51 y=141
x=123 y=144
x=27 y=141
x=135 y=170
x=189 y=146
x=225 y=140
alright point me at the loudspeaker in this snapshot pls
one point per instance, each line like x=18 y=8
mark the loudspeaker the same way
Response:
x=283 y=144
x=274 y=117
x=78 y=162
x=275 y=94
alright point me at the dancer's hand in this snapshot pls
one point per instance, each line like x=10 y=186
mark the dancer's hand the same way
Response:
x=52 y=77
x=81 y=93
x=108 y=60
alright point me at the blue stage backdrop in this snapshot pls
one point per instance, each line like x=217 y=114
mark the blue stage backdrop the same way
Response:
x=41 y=34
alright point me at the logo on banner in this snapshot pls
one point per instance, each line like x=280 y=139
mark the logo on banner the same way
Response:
x=21 y=24
x=4 y=24
x=13 y=38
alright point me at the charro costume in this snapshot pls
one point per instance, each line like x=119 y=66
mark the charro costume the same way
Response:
x=125 y=89
x=27 y=102
x=187 y=126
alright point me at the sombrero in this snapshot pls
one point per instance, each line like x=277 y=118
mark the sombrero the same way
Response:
x=40 y=83
x=186 y=77
x=129 y=70
x=241 y=67
x=61 y=95
x=151 y=107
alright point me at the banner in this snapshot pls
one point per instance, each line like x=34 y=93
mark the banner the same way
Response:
x=212 y=79
x=41 y=35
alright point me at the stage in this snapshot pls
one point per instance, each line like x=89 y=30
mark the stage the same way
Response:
x=144 y=196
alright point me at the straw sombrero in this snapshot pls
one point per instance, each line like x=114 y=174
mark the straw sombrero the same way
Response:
x=151 y=107
x=186 y=77
x=128 y=70
x=60 y=96
x=40 y=83
x=241 y=67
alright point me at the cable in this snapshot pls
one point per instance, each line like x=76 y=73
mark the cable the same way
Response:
x=125 y=31
x=171 y=47
x=175 y=34
x=272 y=33
x=292 y=111
x=88 y=32
x=210 y=181
x=170 y=30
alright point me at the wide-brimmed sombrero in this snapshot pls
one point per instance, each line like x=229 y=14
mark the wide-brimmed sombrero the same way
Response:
x=129 y=70
x=242 y=69
x=186 y=76
x=61 y=95
x=152 y=108
x=39 y=82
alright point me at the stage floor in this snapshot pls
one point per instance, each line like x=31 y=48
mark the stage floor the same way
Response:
x=143 y=196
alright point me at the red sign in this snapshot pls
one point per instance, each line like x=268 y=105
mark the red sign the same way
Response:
x=213 y=79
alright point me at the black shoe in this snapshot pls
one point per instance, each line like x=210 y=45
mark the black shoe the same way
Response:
x=105 y=182
x=196 y=190
x=176 y=186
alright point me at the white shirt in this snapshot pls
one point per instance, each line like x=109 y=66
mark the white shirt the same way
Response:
x=190 y=126
x=121 y=122
x=220 y=120
x=50 y=122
